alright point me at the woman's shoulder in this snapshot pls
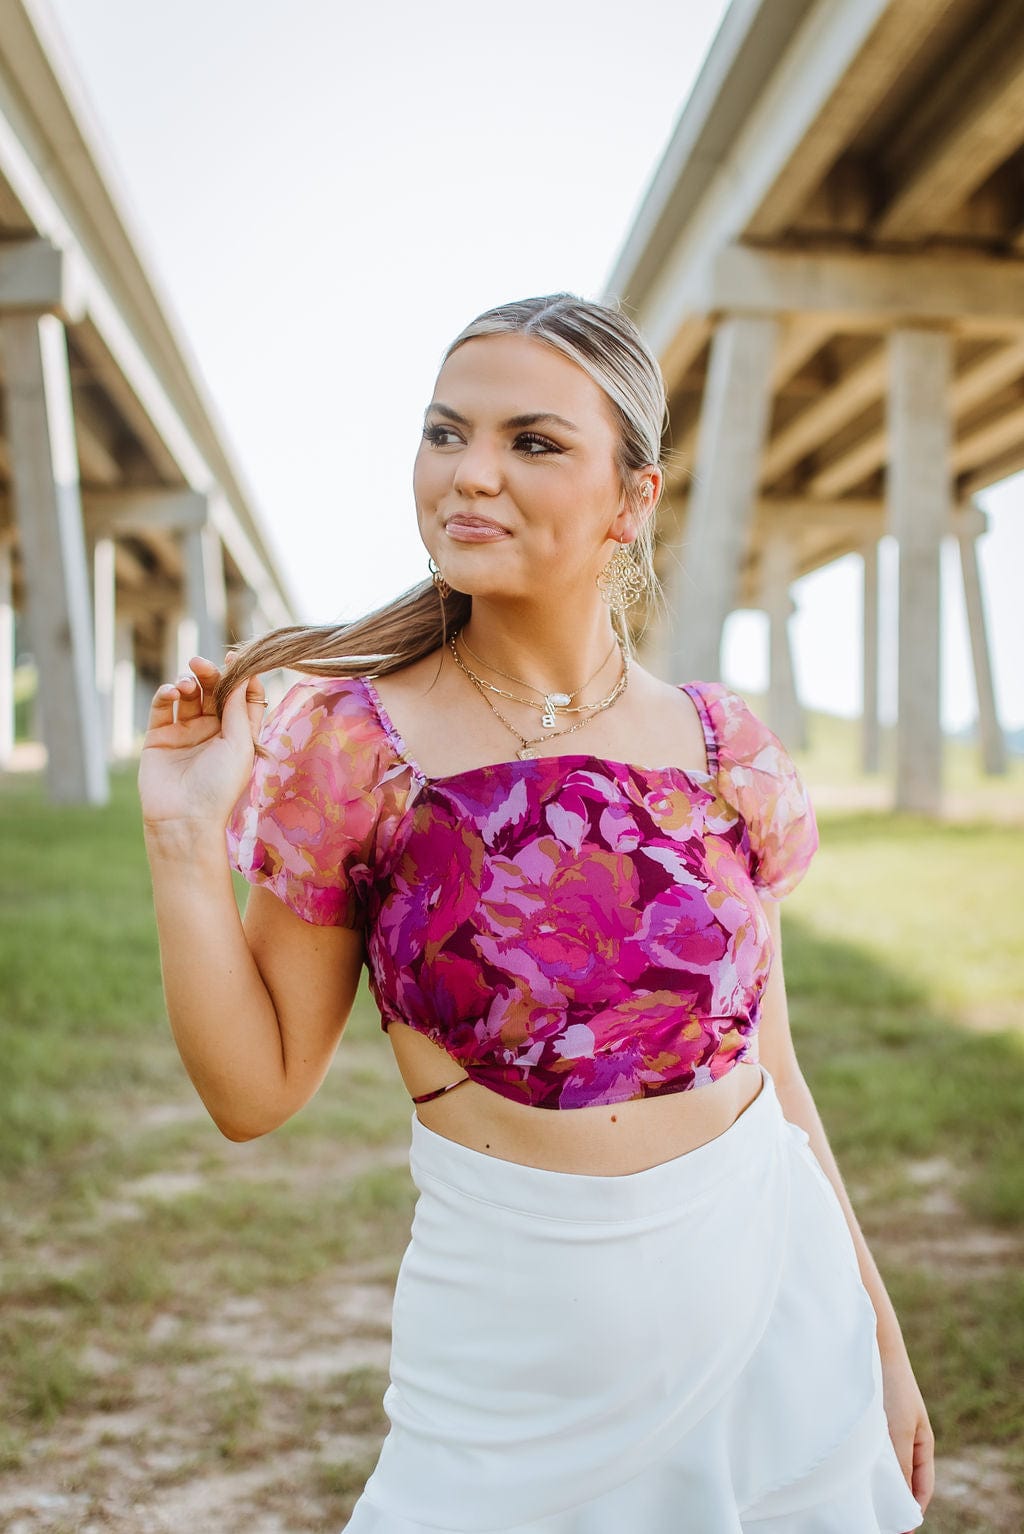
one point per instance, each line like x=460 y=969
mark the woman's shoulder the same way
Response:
x=326 y=790
x=319 y=708
x=742 y=737
x=759 y=778
x=329 y=728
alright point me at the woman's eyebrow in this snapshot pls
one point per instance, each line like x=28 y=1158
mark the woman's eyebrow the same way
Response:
x=511 y=424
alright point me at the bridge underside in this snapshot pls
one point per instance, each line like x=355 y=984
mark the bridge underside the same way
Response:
x=830 y=266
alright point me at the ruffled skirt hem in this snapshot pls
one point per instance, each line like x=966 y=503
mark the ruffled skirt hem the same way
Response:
x=685 y=1350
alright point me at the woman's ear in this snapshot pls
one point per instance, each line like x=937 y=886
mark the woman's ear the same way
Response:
x=633 y=512
x=651 y=485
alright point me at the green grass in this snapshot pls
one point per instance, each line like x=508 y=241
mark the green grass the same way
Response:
x=43 y=1378
x=905 y=975
x=82 y=1010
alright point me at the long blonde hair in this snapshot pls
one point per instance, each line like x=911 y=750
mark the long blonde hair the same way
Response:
x=602 y=340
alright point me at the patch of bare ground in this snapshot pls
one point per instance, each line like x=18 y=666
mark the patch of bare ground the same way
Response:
x=933 y=1230
x=990 y=1017
x=214 y=1400
x=260 y=1412
x=268 y=1420
x=975 y=1493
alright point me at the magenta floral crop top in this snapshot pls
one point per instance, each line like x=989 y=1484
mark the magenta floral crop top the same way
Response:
x=572 y=931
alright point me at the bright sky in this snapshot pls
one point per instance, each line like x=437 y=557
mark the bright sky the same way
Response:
x=325 y=194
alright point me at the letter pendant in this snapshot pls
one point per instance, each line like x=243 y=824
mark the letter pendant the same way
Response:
x=553 y=700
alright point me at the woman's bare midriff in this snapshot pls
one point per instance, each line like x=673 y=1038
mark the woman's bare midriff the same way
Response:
x=607 y=1141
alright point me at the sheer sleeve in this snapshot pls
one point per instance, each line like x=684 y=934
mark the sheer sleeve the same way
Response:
x=304 y=826
x=759 y=778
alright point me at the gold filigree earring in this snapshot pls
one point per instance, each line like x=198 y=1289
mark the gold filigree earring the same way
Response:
x=443 y=588
x=623 y=580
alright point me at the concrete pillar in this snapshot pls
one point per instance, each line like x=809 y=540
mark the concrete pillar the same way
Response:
x=785 y=716
x=730 y=439
x=145 y=687
x=870 y=740
x=122 y=718
x=206 y=595
x=181 y=641
x=919 y=506
x=103 y=588
x=652 y=646
x=7 y=656
x=244 y=621
x=652 y=649
x=48 y=508
x=993 y=742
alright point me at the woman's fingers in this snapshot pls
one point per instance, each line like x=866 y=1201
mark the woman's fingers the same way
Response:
x=256 y=708
x=255 y=693
x=161 y=710
x=209 y=675
x=192 y=694
x=191 y=697
x=183 y=699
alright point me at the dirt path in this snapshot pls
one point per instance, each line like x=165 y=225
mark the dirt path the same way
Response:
x=199 y=1397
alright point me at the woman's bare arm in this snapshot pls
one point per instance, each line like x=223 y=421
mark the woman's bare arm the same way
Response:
x=256 y=1008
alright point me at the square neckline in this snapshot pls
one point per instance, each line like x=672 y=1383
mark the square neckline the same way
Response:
x=700 y=776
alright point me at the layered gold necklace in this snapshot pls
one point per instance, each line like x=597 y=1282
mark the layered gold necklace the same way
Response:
x=552 y=700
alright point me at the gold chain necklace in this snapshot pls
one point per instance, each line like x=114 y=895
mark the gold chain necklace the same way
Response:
x=526 y=748
x=548 y=719
x=553 y=701
x=548 y=716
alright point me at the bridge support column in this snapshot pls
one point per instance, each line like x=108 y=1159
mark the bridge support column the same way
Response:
x=122 y=693
x=870 y=740
x=919 y=505
x=206 y=593
x=785 y=716
x=730 y=439
x=7 y=655
x=993 y=742
x=243 y=615
x=181 y=640
x=48 y=507
x=103 y=587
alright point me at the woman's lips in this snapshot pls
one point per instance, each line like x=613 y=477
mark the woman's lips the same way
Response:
x=473 y=532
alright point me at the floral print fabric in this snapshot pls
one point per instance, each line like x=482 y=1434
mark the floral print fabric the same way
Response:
x=571 y=930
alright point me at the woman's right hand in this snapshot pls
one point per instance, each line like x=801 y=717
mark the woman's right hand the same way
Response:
x=193 y=768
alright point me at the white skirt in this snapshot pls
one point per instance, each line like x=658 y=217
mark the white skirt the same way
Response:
x=687 y=1349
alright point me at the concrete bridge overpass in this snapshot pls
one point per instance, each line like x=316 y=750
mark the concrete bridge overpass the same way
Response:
x=127 y=537
x=829 y=261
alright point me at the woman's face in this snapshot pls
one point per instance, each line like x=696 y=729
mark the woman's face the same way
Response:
x=518 y=508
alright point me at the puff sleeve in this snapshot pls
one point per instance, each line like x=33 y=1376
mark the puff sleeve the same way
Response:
x=304 y=826
x=759 y=778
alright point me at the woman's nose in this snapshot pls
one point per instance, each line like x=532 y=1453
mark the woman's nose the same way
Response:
x=477 y=470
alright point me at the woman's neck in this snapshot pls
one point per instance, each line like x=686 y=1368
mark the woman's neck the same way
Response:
x=551 y=655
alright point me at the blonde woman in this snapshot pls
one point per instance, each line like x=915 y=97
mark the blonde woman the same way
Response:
x=636 y=1296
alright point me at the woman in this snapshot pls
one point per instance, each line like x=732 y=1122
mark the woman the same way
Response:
x=651 y=1309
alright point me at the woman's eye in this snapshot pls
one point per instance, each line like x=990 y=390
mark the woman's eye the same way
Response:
x=548 y=447
x=435 y=433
